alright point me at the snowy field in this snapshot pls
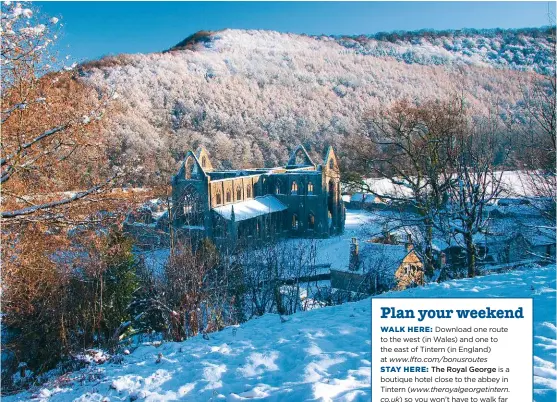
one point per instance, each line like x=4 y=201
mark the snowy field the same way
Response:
x=321 y=354
x=511 y=183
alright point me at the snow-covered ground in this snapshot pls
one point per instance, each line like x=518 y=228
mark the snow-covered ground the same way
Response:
x=321 y=354
x=536 y=282
x=334 y=250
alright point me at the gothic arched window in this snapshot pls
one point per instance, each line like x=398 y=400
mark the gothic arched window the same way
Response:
x=311 y=221
x=218 y=198
x=277 y=187
x=191 y=207
x=294 y=189
x=295 y=222
x=239 y=193
x=248 y=191
x=228 y=196
x=310 y=188
x=189 y=167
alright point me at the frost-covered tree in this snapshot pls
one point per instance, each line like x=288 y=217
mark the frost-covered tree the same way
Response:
x=534 y=119
x=251 y=96
x=49 y=143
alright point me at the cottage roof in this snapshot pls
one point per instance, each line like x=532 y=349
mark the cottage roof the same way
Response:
x=378 y=257
x=381 y=257
x=250 y=208
x=539 y=236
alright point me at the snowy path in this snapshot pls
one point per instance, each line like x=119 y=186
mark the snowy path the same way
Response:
x=321 y=354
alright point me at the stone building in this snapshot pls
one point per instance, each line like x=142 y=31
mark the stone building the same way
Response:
x=375 y=268
x=301 y=199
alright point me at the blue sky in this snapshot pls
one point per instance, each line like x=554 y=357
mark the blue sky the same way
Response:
x=94 y=29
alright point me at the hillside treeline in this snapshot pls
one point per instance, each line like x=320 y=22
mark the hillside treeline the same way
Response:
x=251 y=96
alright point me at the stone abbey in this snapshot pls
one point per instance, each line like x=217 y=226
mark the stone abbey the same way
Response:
x=301 y=199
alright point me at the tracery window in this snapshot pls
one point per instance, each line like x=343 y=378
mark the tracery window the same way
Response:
x=191 y=207
x=294 y=189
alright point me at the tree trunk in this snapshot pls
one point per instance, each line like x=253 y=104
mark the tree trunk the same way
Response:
x=429 y=249
x=278 y=297
x=470 y=255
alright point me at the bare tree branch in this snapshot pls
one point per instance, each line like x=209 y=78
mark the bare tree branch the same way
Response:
x=53 y=204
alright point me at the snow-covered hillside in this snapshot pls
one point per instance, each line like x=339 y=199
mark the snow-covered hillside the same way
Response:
x=321 y=354
x=518 y=49
x=251 y=96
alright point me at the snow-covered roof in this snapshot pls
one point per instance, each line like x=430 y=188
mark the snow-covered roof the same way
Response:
x=378 y=257
x=384 y=257
x=369 y=198
x=357 y=197
x=251 y=208
x=539 y=236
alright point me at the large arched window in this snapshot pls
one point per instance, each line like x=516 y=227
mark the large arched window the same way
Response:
x=238 y=193
x=295 y=222
x=228 y=196
x=277 y=187
x=189 y=167
x=218 y=197
x=311 y=221
x=331 y=164
x=191 y=207
x=248 y=191
x=294 y=188
x=310 y=188
x=301 y=158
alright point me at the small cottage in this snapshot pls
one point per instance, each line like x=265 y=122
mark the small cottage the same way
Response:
x=375 y=268
x=540 y=242
x=365 y=201
x=507 y=241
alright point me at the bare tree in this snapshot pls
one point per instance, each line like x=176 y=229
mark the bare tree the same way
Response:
x=474 y=183
x=186 y=272
x=411 y=146
x=280 y=276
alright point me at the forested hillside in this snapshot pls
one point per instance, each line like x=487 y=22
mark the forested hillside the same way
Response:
x=526 y=49
x=250 y=96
